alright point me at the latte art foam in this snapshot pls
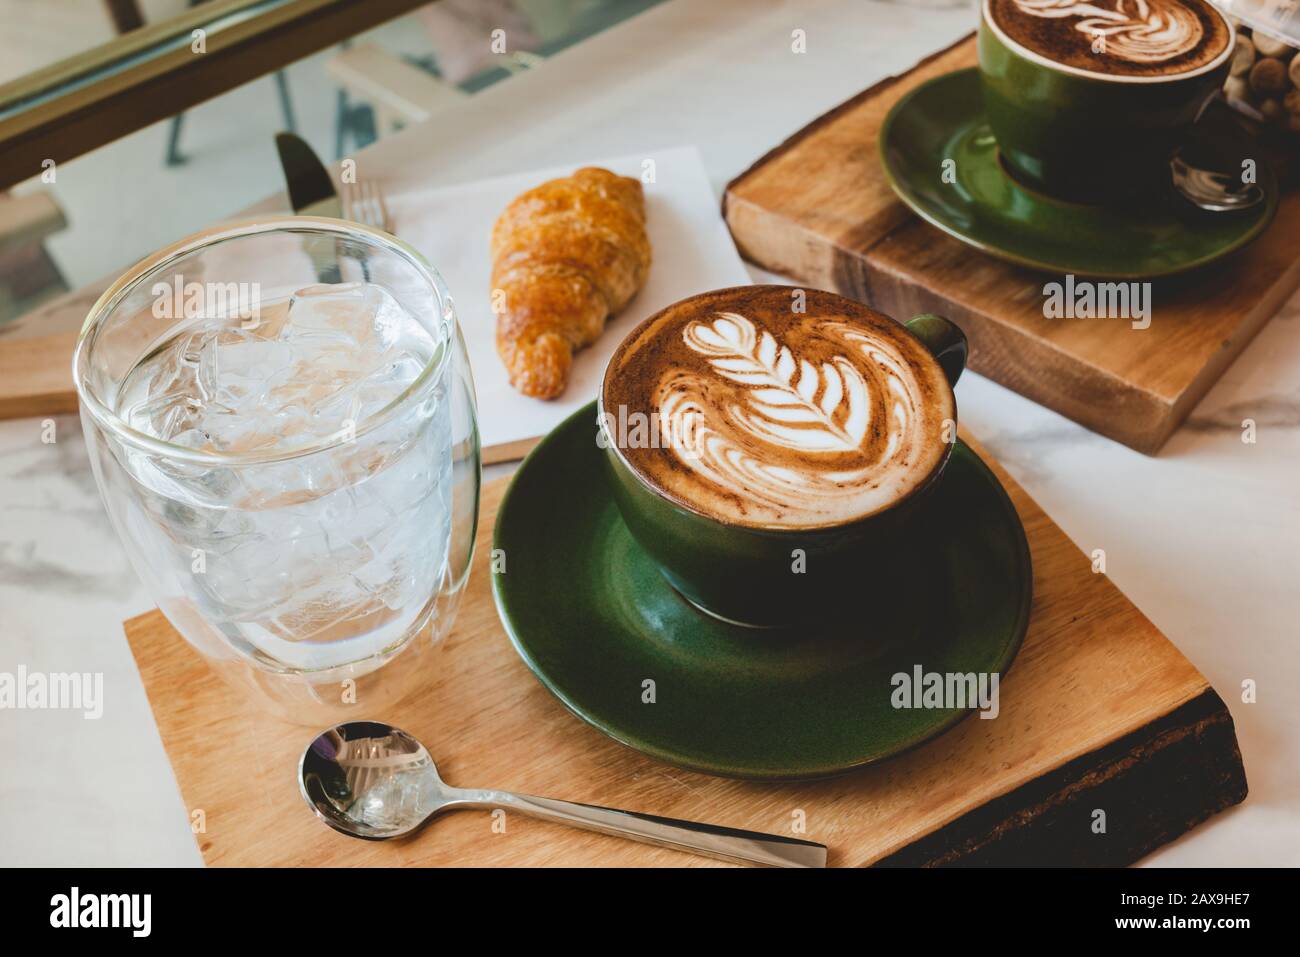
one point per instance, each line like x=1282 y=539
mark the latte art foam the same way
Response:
x=1141 y=31
x=1119 y=37
x=774 y=418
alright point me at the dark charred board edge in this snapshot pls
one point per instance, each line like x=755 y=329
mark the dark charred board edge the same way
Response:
x=1154 y=784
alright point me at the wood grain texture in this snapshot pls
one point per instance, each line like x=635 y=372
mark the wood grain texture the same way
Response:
x=508 y=451
x=819 y=209
x=1095 y=700
x=36 y=354
x=36 y=376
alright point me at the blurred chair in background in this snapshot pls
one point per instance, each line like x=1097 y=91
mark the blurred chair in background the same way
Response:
x=28 y=276
x=127 y=16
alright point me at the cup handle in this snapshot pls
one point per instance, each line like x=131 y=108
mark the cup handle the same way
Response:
x=944 y=339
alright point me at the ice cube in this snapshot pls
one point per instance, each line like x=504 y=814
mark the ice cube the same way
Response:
x=163 y=416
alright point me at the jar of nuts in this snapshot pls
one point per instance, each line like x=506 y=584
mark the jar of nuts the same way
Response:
x=1264 y=82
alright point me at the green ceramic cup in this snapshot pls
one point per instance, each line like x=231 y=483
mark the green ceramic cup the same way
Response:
x=1088 y=136
x=743 y=574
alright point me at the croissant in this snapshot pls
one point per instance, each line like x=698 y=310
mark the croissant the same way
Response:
x=566 y=256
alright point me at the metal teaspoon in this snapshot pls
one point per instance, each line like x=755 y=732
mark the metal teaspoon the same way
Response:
x=1213 y=190
x=370 y=780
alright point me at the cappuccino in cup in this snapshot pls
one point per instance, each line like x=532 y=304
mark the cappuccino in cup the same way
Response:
x=1139 y=38
x=1089 y=99
x=773 y=418
x=795 y=432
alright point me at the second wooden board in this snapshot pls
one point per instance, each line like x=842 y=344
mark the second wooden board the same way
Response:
x=819 y=209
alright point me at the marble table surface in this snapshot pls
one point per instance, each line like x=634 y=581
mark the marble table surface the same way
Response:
x=1202 y=537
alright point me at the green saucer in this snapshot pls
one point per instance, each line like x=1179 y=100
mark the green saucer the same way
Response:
x=592 y=617
x=988 y=209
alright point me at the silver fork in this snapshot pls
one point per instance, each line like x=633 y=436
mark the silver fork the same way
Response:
x=363 y=202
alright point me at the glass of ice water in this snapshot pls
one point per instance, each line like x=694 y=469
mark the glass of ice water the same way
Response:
x=281 y=419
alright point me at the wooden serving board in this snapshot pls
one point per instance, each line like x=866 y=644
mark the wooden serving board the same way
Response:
x=818 y=208
x=1099 y=712
x=36 y=355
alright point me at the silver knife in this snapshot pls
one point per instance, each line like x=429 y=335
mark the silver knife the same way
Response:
x=311 y=193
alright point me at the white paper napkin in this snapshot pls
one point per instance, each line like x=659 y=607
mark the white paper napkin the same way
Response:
x=452 y=226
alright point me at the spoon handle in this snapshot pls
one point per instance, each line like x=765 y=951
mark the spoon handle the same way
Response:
x=727 y=843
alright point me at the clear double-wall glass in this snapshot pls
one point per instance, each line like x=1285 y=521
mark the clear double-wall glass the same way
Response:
x=281 y=419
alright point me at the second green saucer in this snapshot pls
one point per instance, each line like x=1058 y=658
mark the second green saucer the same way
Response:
x=593 y=618
x=940 y=128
